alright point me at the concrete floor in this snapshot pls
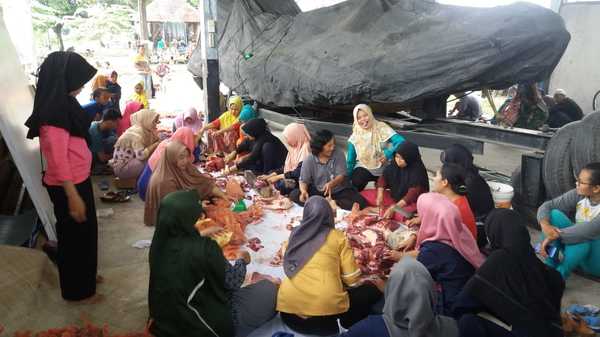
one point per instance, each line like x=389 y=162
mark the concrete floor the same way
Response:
x=125 y=268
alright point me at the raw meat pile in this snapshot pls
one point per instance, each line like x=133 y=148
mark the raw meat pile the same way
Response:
x=277 y=260
x=275 y=203
x=88 y=330
x=214 y=164
x=254 y=244
x=223 y=216
x=256 y=277
x=367 y=236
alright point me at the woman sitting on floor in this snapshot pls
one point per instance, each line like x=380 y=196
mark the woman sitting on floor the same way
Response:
x=266 y=153
x=445 y=247
x=298 y=140
x=246 y=115
x=409 y=307
x=450 y=181
x=406 y=178
x=125 y=122
x=317 y=262
x=513 y=293
x=224 y=131
x=194 y=290
x=323 y=173
x=478 y=191
x=370 y=147
x=579 y=240
x=175 y=172
x=189 y=119
x=135 y=146
x=183 y=135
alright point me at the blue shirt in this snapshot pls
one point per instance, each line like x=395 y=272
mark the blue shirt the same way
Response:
x=92 y=109
x=99 y=138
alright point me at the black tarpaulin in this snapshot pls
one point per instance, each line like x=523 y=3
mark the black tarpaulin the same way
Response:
x=381 y=50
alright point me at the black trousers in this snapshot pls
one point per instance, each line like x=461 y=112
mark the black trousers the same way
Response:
x=361 y=177
x=361 y=298
x=344 y=198
x=77 y=255
x=474 y=326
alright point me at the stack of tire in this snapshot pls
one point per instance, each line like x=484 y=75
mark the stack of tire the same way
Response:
x=569 y=150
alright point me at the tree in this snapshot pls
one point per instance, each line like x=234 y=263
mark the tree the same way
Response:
x=143 y=22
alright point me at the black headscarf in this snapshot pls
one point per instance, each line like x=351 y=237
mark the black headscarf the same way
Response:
x=413 y=175
x=513 y=283
x=59 y=74
x=309 y=236
x=256 y=128
x=479 y=194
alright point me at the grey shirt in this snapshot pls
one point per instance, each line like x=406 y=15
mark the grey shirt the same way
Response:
x=469 y=108
x=567 y=203
x=317 y=174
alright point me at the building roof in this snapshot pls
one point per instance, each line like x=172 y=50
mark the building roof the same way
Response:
x=171 y=11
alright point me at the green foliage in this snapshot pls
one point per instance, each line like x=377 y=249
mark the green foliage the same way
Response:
x=194 y=3
x=83 y=20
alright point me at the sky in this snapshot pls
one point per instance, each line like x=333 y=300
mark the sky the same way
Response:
x=307 y=5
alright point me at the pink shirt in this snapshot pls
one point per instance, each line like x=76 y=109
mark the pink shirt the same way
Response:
x=68 y=158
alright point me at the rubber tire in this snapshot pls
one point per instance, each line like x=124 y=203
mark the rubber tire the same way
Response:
x=518 y=203
x=559 y=176
x=585 y=148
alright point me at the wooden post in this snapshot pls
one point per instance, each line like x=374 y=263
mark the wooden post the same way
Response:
x=488 y=94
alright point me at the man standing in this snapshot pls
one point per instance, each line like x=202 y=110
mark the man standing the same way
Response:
x=564 y=111
x=468 y=107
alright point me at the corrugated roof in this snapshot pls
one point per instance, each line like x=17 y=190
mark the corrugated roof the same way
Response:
x=172 y=11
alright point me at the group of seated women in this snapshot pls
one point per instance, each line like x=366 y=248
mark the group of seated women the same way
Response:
x=441 y=285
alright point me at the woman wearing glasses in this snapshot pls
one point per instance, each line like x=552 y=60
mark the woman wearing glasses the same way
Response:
x=579 y=240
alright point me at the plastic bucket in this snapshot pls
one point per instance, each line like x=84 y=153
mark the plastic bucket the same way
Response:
x=502 y=194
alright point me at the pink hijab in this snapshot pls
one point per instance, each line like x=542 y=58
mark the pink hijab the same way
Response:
x=125 y=122
x=441 y=221
x=297 y=137
x=195 y=124
x=183 y=135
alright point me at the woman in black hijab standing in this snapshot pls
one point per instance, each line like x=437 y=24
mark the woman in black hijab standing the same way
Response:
x=62 y=126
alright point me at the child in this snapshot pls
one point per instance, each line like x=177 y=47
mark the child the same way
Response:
x=140 y=96
x=115 y=89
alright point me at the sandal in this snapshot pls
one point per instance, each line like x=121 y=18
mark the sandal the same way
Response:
x=112 y=197
x=104 y=185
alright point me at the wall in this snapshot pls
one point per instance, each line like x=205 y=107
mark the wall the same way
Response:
x=578 y=72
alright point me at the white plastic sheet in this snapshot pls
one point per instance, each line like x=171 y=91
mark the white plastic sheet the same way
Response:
x=16 y=102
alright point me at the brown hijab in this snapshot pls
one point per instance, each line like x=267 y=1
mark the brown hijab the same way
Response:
x=169 y=178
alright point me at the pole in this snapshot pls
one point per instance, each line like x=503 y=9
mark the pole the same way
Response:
x=210 y=58
x=143 y=21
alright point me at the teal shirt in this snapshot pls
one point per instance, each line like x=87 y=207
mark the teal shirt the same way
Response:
x=395 y=140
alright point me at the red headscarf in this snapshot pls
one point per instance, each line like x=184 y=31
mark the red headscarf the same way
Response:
x=183 y=135
x=125 y=122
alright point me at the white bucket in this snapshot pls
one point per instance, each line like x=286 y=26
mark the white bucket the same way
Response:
x=502 y=194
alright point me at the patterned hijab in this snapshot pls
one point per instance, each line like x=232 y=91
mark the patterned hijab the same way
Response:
x=368 y=142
